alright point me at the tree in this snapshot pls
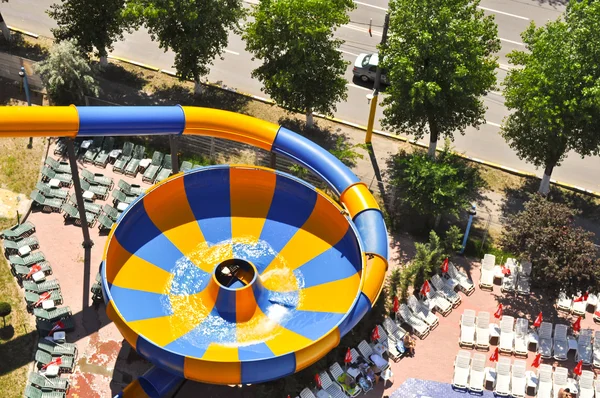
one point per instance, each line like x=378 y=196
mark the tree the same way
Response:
x=439 y=60
x=303 y=69
x=93 y=24
x=5 y=311
x=196 y=30
x=555 y=93
x=66 y=75
x=563 y=256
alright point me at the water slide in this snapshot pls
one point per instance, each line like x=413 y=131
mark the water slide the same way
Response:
x=229 y=274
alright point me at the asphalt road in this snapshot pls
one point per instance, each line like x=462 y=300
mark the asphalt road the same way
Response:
x=512 y=16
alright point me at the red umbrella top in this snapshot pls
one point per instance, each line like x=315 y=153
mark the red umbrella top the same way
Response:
x=55 y=361
x=57 y=326
x=494 y=357
x=537 y=361
x=578 y=368
x=577 y=325
x=425 y=288
x=538 y=320
x=348 y=357
x=396 y=304
x=43 y=297
x=34 y=268
x=445 y=266
x=318 y=380
x=375 y=335
x=498 y=313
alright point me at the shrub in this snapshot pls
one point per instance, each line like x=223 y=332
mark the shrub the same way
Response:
x=5 y=311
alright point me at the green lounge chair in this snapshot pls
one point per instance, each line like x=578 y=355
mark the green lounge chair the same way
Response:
x=185 y=166
x=12 y=247
x=48 y=384
x=152 y=170
x=31 y=298
x=53 y=315
x=105 y=223
x=18 y=232
x=97 y=179
x=111 y=212
x=121 y=197
x=134 y=163
x=166 y=170
x=49 y=174
x=21 y=271
x=34 y=392
x=46 y=286
x=61 y=147
x=130 y=189
x=97 y=295
x=124 y=158
x=72 y=214
x=45 y=327
x=59 y=167
x=98 y=190
x=102 y=158
x=93 y=150
x=50 y=192
x=93 y=208
x=29 y=260
x=43 y=358
x=56 y=349
x=44 y=203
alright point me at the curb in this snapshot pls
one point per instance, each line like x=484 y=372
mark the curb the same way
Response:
x=141 y=65
x=24 y=32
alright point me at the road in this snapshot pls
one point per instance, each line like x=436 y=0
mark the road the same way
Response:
x=512 y=16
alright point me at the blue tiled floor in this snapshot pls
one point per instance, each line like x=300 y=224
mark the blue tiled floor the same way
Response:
x=415 y=388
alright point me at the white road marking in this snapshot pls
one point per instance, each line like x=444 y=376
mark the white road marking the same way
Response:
x=503 y=13
x=370 y=5
x=355 y=86
x=496 y=92
x=232 y=52
x=348 y=52
x=518 y=43
x=505 y=67
x=492 y=123
x=361 y=29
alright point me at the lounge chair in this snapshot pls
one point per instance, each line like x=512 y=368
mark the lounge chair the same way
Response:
x=545 y=340
x=110 y=212
x=423 y=312
x=124 y=158
x=56 y=349
x=307 y=393
x=41 y=287
x=61 y=147
x=134 y=164
x=561 y=343
x=152 y=170
x=93 y=150
x=503 y=377
x=464 y=282
x=367 y=352
x=564 y=303
x=120 y=197
x=21 y=271
x=18 y=232
x=584 y=347
x=66 y=180
x=90 y=207
x=489 y=258
x=12 y=247
x=130 y=189
x=98 y=190
x=43 y=358
x=107 y=147
x=462 y=365
x=592 y=302
x=544 y=375
x=586 y=384
x=46 y=384
x=27 y=261
x=34 y=392
x=596 y=362
x=166 y=169
x=509 y=282
x=32 y=298
x=338 y=375
x=333 y=389
x=50 y=192
x=185 y=166
x=59 y=167
x=439 y=302
x=105 y=223
x=597 y=387
x=72 y=214
x=507 y=335
x=523 y=285
x=445 y=290
x=477 y=373
x=46 y=204
x=482 y=331
x=467 y=329
x=518 y=381
x=98 y=179
x=393 y=330
x=52 y=315
x=521 y=337
x=418 y=327
x=578 y=308
x=487 y=274
x=44 y=327
x=560 y=379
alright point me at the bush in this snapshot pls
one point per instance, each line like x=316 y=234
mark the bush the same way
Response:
x=5 y=311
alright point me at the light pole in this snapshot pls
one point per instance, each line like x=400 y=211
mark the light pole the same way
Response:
x=18 y=215
x=377 y=83
x=472 y=213
x=23 y=75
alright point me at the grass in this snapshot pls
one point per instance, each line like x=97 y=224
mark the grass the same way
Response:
x=20 y=166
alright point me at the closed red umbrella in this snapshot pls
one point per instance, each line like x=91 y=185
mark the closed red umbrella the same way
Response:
x=348 y=356
x=43 y=297
x=57 y=326
x=577 y=325
x=56 y=361
x=577 y=370
x=494 y=357
x=375 y=334
x=538 y=320
x=34 y=268
x=445 y=266
x=505 y=270
x=579 y=299
x=425 y=288
x=537 y=360
x=396 y=304
x=498 y=313
x=318 y=380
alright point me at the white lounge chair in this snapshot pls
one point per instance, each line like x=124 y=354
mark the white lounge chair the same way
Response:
x=564 y=303
x=367 y=352
x=482 y=331
x=560 y=378
x=418 y=327
x=462 y=365
x=578 y=308
x=445 y=290
x=586 y=384
x=545 y=340
x=394 y=331
x=307 y=393
x=544 y=389
x=597 y=387
x=592 y=302
x=502 y=386
x=464 y=282
x=423 y=312
x=439 y=303
x=388 y=343
x=509 y=282
x=477 y=375
x=518 y=380
x=356 y=355
x=336 y=372
x=333 y=389
x=467 y=329
x=521 y=337
x=561 y=343
x=487 y=275
x=584 y=347
x=489 y=258
x=523 y=285
x=596 y=362
x=507 y=335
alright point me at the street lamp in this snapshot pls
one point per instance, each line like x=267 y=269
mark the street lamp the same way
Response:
x=472 y=213
x=23 y=75
x=18 y=216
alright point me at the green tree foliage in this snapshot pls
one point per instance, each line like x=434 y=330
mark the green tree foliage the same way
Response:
x=440 y=62
x=5 y=311
x=93 y=24
x=431 y=188
x=302 y=68
x=563 y=256
x=67 y=75
x=555 y=93
x=195 y=30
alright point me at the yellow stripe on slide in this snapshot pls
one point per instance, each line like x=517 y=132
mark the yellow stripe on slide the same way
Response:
x=287 y=341
x=139 y=274
x=336 y=296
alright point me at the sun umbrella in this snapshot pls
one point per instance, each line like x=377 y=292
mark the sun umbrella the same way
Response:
x=396 y=304
x=537 y=360
x=577 y=370
x=425 y=288
x=318 y=380
x=494 y=357
x=43 y=297
x=538 y=320
x=445 y=266
x=55 y=361
x=498 y=313
x=577 y=325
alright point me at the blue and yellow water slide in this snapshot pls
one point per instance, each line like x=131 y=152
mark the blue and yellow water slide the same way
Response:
x=229 y=274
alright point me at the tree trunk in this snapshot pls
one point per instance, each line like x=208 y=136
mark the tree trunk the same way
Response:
x=545 y=184
x=198 y=88
x=309 y=118
x=4 y=28
x=103 y=61
x=433 y=138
